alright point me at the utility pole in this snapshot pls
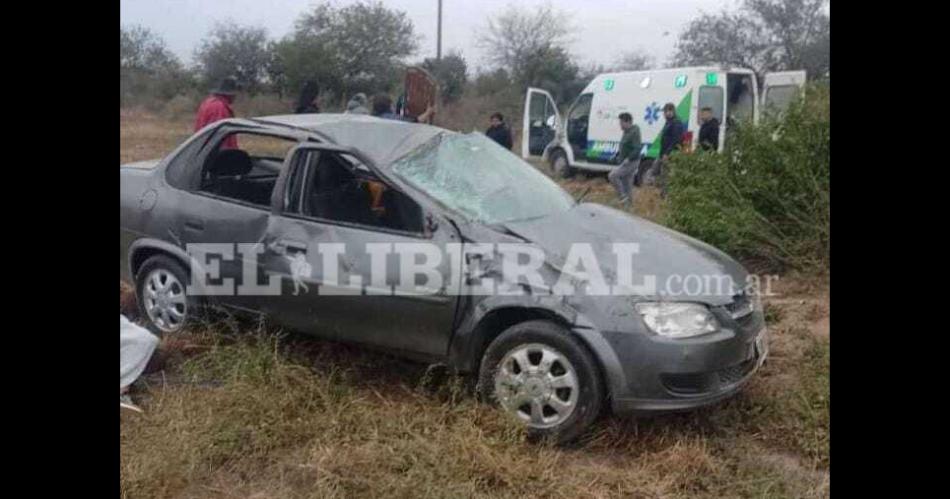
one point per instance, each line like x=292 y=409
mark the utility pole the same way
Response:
x=438 y=43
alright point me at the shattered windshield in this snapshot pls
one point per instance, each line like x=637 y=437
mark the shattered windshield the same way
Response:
x=475 y=176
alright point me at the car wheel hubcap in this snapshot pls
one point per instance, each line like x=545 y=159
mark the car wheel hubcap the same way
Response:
x=164 y=298
x=560 y=164
x=537 y=384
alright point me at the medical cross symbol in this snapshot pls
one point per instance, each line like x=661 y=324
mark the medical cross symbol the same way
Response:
x=652 y=113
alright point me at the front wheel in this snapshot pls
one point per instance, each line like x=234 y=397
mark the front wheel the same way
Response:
x=560 y=166
x=543 y=376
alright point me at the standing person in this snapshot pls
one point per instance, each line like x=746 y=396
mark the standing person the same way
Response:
x=499 y=131
x=670 y=138
x=630 y=144
x=307 y=104
x=708 y=131
x=357 y=104
x=216 y=107
x=383 y=108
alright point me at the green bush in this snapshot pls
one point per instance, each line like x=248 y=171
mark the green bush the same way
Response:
x=766 y=197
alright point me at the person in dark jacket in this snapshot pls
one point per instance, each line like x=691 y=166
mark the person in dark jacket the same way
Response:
x=307 y=103
x=499 y=131
x=672 y=135
x=708 y=131
x=670 y=139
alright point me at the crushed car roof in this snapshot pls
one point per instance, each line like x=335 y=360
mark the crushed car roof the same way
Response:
x=382 y=140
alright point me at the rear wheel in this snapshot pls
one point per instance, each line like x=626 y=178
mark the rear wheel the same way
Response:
x=160 y=289
x=560 y=166
x=544 y=377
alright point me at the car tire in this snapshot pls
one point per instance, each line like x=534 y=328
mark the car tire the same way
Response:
x=560 y=166
x=557 y=402
x=160 y=289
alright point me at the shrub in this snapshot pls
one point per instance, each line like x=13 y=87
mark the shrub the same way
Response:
x=766 y=197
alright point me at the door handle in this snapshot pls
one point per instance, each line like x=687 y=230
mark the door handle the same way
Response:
x=194 y=225
x=284 y=245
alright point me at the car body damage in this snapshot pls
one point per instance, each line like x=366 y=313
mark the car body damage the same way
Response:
x=267 y=213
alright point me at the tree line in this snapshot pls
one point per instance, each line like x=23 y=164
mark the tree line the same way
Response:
x=365 y=47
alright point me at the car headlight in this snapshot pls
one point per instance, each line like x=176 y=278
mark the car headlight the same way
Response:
x=678 y=320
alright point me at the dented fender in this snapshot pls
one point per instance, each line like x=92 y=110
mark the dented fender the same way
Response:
x=472 y=337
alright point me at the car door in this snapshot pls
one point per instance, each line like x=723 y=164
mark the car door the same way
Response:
x=541 y=122
x=780 y=88
x=214 y=225
x=316 y=295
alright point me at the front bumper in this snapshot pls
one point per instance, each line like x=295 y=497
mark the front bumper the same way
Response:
x=663 y=375
x=685 y=402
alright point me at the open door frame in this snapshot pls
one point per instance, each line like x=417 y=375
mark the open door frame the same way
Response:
x=526 y=119
x=781 y=79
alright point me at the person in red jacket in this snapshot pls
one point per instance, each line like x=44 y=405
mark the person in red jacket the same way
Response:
x=218 y=107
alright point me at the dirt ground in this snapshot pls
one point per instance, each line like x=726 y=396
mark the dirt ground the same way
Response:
x=245 y=410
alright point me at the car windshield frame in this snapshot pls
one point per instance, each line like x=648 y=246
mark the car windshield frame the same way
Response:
x=516 y=190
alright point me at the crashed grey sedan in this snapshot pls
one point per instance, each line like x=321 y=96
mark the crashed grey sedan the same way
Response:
x=445 y=248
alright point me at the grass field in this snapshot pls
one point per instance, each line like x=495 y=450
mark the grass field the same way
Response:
x=246 y=410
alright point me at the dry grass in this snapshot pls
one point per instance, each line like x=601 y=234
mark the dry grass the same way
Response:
x=243 y=410
x=647 y=202
x=143 y=135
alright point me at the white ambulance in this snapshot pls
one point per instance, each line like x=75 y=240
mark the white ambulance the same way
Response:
x=589 y=138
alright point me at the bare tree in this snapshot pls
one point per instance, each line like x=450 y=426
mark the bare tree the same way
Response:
x=763 y=35
x=515 y=38
x=635 y=60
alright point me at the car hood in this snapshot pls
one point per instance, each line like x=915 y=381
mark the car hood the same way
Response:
x=667 y=255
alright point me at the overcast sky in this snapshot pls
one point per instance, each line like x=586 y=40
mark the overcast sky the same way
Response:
x=604 y=28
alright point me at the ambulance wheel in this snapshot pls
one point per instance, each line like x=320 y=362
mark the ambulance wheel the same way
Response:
x=559 y=165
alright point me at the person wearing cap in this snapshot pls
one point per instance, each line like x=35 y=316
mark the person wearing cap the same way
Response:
x=670 y=138
x=216 y=107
